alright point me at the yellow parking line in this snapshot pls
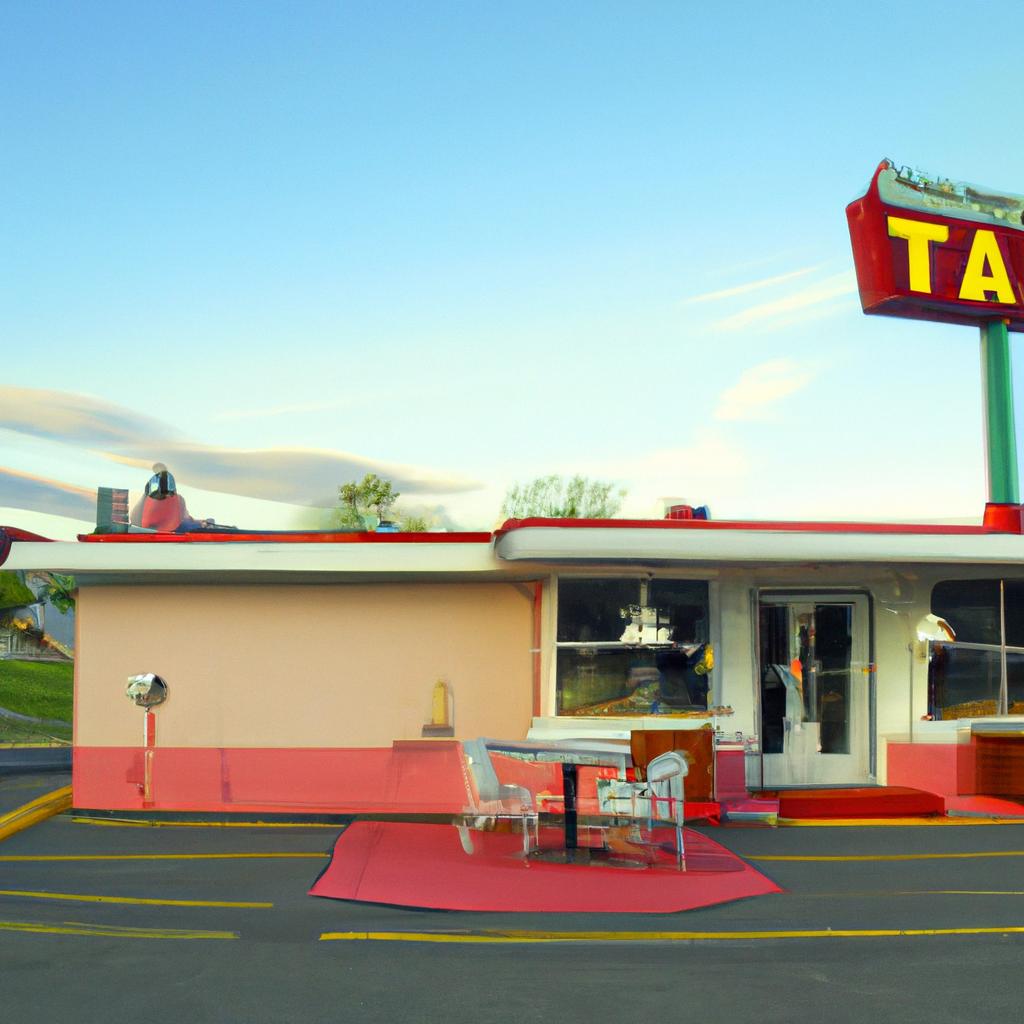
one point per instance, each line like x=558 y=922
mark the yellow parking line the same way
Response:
x=885 y=856
x=523 y=937
x=111 y=931
x=963 y=892
x=153 y=856
x=34 y=811
x=89 y=898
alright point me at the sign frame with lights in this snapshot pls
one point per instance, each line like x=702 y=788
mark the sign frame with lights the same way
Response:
x=934 y=249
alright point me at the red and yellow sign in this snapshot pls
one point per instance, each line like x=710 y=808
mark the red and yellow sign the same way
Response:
x=932 y=249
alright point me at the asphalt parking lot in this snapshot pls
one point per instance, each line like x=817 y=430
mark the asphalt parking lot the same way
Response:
x=111 y=922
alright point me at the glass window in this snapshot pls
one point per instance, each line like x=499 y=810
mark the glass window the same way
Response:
x=964 y=682
x=590 y=611
x=686 y=602
x=590 y=676
x=833 y=625
x=967 y=679
x=971 y=607
x=1013 y=609
x=632 y=647
x=1015 y=683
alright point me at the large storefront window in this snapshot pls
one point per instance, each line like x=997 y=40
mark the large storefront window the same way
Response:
x=632 y=647
x=981 y=673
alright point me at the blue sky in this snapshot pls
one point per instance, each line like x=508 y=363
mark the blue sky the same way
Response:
x=468 y=244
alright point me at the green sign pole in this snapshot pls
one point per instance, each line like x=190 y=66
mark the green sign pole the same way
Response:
x=999 y=427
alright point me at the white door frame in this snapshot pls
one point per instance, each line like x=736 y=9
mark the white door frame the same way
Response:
x=802 y=763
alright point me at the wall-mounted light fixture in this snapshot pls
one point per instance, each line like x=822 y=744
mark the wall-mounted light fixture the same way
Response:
x=147 y=691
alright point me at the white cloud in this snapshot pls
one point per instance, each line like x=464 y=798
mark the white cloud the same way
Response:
x=74 y=418
x=760 y=387
x=750 y=286
x=33 y=493
x=300 y=476
x=812 y=302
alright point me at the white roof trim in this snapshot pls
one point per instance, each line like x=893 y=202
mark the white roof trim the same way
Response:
x=526 y=544
x=596 y=544
x=233 y=557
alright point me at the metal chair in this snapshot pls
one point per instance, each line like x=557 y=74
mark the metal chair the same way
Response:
x=664 y=784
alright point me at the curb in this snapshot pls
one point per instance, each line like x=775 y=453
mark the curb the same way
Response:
x=35 y=811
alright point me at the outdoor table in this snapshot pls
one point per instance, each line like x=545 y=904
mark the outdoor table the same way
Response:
x=570 y=754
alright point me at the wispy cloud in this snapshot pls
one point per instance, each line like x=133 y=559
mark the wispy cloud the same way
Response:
x=38 y=494
x=749 y=286
x=762 y=386
x=299 y=476
x=816 y=300
x=302 y=476
x=74 y=418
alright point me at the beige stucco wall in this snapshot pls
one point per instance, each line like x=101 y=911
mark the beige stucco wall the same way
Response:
x=304 y=666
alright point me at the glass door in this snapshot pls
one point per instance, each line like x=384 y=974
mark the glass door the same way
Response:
x=814 y=677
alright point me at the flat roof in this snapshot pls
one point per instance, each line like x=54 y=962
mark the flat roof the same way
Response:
x=516 y=545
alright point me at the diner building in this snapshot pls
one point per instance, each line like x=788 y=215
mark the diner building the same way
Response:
x=296 y=665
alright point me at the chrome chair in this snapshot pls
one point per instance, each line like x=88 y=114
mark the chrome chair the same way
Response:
x=664 y=784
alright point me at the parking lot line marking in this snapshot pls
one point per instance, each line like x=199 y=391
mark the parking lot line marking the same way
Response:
x=111 y=931
x=35 y=811
x=9 y=858
x=582 y=937
x=883 y=856
x=962 y=892
x=89 y=898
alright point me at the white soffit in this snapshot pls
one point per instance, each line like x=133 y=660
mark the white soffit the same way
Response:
x=232 y=557
x=597 y=544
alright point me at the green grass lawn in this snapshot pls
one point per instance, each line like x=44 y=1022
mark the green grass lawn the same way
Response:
x=42 y=689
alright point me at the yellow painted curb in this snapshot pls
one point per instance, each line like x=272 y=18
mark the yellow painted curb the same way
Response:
x=35 y=811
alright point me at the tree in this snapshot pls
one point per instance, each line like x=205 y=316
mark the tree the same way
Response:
x=13 y=592
x=552 y=497
x=380 y=495
x=413 y=522
x=358 y=500
x=60 y=592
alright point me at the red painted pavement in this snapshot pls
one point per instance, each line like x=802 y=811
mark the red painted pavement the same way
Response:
x=416 y=865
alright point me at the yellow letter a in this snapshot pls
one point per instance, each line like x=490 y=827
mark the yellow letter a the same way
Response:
x=918 y=234
x=976 y=283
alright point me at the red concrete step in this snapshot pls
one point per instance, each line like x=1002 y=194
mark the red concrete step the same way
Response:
x=857 y=802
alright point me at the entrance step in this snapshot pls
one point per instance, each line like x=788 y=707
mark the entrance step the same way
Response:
x=858 y=802
x=751 y=810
